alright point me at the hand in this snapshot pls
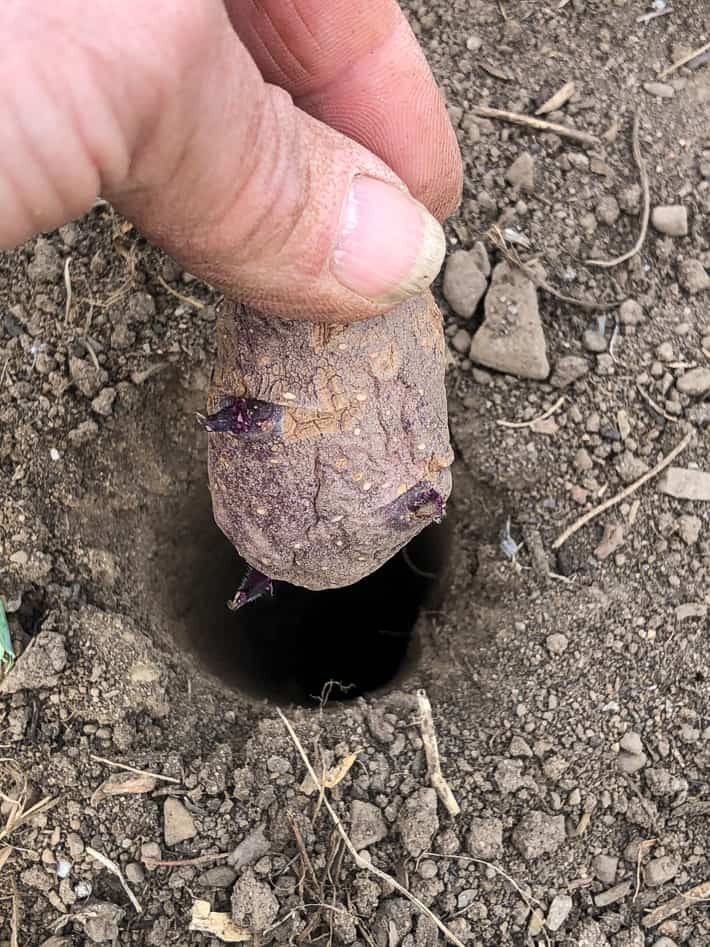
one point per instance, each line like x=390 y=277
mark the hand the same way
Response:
x=265 y=144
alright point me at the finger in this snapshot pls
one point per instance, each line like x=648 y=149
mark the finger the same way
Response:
x=219 y=168
x=358 y=67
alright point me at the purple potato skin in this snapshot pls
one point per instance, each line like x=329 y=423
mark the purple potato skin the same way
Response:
x=328 y=444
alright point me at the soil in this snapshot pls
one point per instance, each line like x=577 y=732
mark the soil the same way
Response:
x=569 y=689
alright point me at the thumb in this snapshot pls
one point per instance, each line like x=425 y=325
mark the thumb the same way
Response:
x=272 y=206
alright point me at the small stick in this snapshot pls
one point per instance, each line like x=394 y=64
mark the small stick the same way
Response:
x=647 y=17
x=649 y=400
x=683 y=61
x=527 y=898
x=588 y=304
x=115 y=870
x=543 y=417
x=632 y=488
x=183 y=862
x=68 y=287
x=132 y=769
x=643 y=846
x=14 y=918
x=360 y=862
x=646 y=215
x=431 y=750
x=186 y=299
x=699 y=893
x=518 y=118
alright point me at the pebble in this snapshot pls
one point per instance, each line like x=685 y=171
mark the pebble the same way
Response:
x=367 y=824
x=695 y=382
x=693 y=277
x=538 y=833
x=556 y=643
x=660 y=90
x=605 y=867
x=461 y=341
x=135 y=873
x=418 y=821
x=630 y=467
x=46 y=264
x=583 y=461
x=630 y=313
x=660 y=870
x=590 y=934
x=631 y=762
x=511 y=338
x=464 y=282
x=631 y=742
x=607 y=210
x=558 y=911
x=521 y=173
x=666 y=352
x=685 y=484
x=691 y=610
x=39 y=666
x=519 y=747
x=594 y=341
x=485 y=838
x=178 y=824
x=664 y=942
x=671 y=220
x=103 y=402
x=221 y=876
x=612 y=895
x=569 y=369
x=612 y=539
x=254 y=904
x=689 y=527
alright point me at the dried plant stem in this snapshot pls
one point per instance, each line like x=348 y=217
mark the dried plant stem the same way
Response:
x=132 y=769
x=543 y=417
x=518 y=118
x=682 y=901
x=632 y=488
x=681 y=62
x=431 y=750
x=361 y=862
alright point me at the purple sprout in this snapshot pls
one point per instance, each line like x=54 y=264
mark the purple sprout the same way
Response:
x=254 y=586
x=244 y=416
x=422 y=501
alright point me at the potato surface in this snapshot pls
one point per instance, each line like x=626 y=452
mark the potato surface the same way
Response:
x=329 y=444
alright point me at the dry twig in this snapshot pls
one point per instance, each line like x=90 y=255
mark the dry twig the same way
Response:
x=14 y=919
x=681 y=62
x=431 y=750
x=543 y=417
x=632 y=488
x=183 y=862
x=186 y=299
x=132 y=769
x=518 y=118
x=68 y=287
x=115 y=870
x=359 y=861
x=646 y=212
x=682 y=901
x=649 y=400
x=643 y=848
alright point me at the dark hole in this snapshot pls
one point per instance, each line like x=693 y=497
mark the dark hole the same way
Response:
x=299 y=646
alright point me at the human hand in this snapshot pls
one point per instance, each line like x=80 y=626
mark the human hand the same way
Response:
x=265 y=144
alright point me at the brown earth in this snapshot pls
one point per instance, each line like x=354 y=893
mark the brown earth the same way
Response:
x=569 y=689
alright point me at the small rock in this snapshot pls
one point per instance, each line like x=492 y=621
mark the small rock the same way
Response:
x=367 y=824
x=178 y=824
x=521 y=173
x=590 y=934
x=689 y=528
x=594 y=341
x=101 y=923
x=253 y=847
x=39 y=666
x=569 y=369
x=612 y=895
x=485 y=838
x=693 y=277
x=695 y=382
x=46 y=264
x=84 y=376
x=556 y=643
x=607 y=210
x=605 y=867
x=630 y=313
x=135 y=873
x=631 y=742
x=221 y=876
x=418 y=821
x=465 y=281
x=691 y=610
x=685 y=484
x=664 y=942
x=660 y=870
x=671 y=220
x=254 y=904
x=583 y=461
x=660 y=90
x=103 y=402
x=558 y=911
x=629 y=467
x=538 y=833
x=630 y=199
x=511 y=338
x=461 y=341
x=631 y=762
x=612 y=539
x=519 y=747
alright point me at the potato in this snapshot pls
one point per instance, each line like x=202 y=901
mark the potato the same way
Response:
x=328 y=444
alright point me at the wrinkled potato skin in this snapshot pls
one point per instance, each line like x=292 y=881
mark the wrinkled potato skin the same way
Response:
x=364 y=420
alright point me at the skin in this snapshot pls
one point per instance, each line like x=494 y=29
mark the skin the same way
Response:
x=229 y=132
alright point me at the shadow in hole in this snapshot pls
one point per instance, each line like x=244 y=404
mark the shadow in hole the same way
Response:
x=287 y=648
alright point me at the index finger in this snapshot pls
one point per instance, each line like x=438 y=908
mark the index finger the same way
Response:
x=357 y=66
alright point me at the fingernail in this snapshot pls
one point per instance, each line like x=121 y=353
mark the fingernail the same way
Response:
x=389 y=246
